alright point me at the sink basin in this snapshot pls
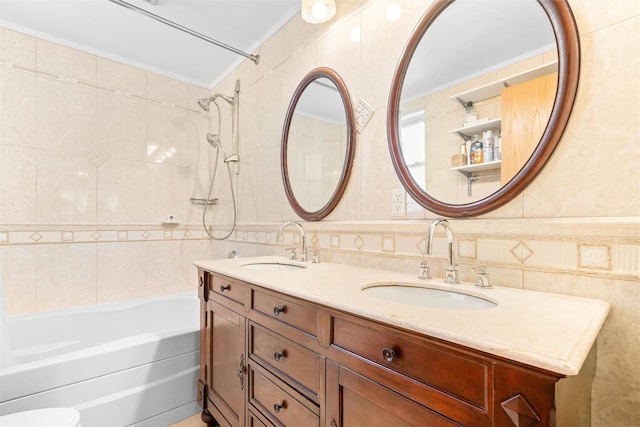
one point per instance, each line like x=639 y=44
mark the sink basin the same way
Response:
x=413 y=294
x=273 y=266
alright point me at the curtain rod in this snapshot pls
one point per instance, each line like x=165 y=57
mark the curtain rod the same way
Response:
x=254 y=58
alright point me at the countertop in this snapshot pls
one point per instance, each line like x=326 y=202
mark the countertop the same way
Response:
x=548 y=331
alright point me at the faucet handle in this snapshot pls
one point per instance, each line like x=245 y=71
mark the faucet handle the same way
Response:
x=424 y=270
x=483 y=277
x=292 y=254
x=315 y=257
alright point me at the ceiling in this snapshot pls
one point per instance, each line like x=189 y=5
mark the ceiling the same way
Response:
x=115 y=32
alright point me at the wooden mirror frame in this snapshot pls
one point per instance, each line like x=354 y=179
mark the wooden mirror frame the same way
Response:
x=350 y=145
x=568 y=44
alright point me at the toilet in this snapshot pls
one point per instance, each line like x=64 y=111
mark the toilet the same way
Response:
x=47 y=417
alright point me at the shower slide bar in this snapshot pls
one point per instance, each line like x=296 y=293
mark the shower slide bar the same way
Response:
x=254 y=58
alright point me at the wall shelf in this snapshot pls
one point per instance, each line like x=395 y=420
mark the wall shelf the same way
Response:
x=470 y=169
x=467 y=132
x=493 y=89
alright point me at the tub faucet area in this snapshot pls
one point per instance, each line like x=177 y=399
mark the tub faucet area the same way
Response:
x=451 y=275
x=303 y=254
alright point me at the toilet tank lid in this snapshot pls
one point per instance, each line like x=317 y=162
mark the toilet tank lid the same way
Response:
x=47 y=417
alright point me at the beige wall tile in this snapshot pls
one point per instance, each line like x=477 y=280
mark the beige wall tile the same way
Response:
x=121 y=271
x=122 y=126
x=18 y=191
x=121 y=191
x=18 y=108
x=55 y=58
x=66 y=188
x=66 y=276
x=66 y=116
x=19 y=278
x=17 y=48
x=120 y=76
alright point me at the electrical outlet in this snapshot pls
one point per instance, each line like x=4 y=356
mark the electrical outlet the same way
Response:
x=398 y=202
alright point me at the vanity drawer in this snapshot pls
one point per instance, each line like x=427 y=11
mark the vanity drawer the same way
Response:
x=299 y=316
x=442 y=368
x=279 y=405
x=300 y=367
x=227 y=287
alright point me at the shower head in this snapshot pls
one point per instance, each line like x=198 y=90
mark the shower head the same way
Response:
x=205 y=102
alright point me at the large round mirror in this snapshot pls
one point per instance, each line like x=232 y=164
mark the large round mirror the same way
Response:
x=480 y=99
x=318 y=144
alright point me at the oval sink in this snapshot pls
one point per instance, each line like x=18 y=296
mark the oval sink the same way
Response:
x=427 y=297
x=273 y=266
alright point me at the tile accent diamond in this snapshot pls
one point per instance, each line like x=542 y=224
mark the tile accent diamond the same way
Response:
x=96 y=236
x=359 y=243
x=521 y=251
x=36 y=236
x=96 y=156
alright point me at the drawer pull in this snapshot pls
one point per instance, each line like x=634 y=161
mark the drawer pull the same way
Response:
x=279 y=355
x=224 y=287
x=278 y=406
x=278 y=309
x=388 y=354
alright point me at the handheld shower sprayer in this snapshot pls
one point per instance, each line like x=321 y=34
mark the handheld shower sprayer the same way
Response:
x=214 y=140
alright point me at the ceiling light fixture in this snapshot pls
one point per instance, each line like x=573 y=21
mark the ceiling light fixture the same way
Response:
x=317 y=11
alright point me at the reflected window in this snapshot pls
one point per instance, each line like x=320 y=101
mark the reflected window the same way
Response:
x=413 y=144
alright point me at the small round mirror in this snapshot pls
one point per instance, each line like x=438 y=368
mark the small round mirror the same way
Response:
x=318 y=144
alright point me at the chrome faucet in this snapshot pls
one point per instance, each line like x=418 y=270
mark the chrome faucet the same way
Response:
x=303 y=255
x=451 y=275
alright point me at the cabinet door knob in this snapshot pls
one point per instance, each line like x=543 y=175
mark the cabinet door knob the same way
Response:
x=278 y=309
x=224 y=288
x=278 y=406
x=333 y=423
x=388 y=354
x=279 y=355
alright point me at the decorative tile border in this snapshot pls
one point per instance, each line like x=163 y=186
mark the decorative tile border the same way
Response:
x=599 y=255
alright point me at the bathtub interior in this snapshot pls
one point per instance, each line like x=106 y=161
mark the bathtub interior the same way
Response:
x=130 y=364
x=45 y=335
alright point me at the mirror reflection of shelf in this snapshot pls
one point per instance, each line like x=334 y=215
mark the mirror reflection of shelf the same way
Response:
x=467 y=132
x=470 y=169
x=493 y=89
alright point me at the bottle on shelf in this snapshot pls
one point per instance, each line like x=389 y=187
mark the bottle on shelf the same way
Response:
x=476 y=151
x=497 y=147
x=464 y=152
x=487 y=146
x=470 y=115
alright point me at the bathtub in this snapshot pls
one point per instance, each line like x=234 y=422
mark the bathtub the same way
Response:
x=133 y=363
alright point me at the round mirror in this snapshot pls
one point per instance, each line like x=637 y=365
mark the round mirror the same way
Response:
x=318 y=144
x=480 y=99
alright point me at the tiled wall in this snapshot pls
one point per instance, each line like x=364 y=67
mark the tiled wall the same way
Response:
x=94 y=155
x=575 y=230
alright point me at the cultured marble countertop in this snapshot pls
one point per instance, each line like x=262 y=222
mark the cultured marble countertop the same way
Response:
x=548 y=331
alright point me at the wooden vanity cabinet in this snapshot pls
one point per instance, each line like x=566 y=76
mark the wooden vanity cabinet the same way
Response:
x=275 y=360
x=223 y=368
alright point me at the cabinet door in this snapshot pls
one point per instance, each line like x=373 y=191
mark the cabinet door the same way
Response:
x=227 y=364
x=526 y=108
x=356 y=401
